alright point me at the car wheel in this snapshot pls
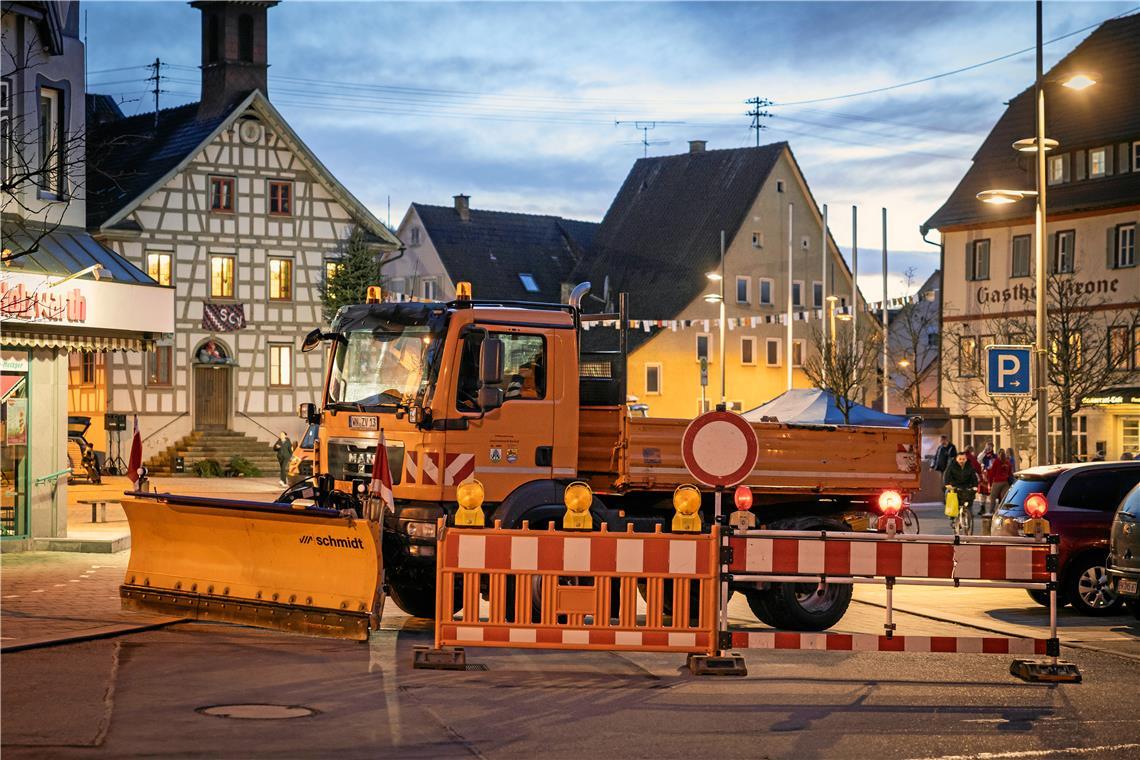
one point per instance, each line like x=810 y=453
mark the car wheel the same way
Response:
x=1041 y=597
x=1088 y=589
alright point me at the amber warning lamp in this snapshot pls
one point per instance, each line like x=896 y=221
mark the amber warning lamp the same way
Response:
x=463 y=291
x=373 y=294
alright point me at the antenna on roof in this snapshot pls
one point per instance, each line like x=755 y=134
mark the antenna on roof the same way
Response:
x=757 y=112
x=157 y=79
x=645 y=126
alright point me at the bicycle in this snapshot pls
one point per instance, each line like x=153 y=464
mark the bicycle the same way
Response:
x=963 y=524
x=909 y=521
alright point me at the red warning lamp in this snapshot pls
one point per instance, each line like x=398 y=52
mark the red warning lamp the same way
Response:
x=742 y=496
x=1036 y=505
x=890 y=502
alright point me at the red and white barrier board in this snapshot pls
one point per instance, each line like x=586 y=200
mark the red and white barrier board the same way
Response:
x=568 y=638
x=869 y=642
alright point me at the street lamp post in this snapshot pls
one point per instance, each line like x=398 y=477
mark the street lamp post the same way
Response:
x=718 y=277
x=1040 y=145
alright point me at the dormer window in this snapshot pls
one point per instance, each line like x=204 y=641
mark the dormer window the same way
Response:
x=528 y=282
x=1057 y=169
x=1098 y=162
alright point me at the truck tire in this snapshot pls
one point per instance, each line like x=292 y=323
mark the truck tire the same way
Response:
x=417 y=601
x=758 y=602
x=803 y=606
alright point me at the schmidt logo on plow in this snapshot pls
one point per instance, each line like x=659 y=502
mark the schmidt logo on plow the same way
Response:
x=340 y=543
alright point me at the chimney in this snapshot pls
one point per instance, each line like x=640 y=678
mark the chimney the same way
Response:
x=463 y=206
x=234 y=53
x=697 y=146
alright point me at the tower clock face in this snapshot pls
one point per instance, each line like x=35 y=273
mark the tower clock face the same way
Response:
x=250 y=131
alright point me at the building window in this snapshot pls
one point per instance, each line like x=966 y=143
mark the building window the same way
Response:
x=703 y=346
x=395 y=285
x=766 y=286
x=1120 y=352
x=280 y=365
x=653 y=379
x=1080 y=439
x=1098 y=162
x=280 y=198
x=51 y=141
x=978 y=431
x=84 y=365
x=1021 y=255
x=1056 y=173
x=967 y=356
x=221 y=276
x=1069 y=358
x=743 y=289
x=528 y=282
x=817 y=294
x=15 y=422
x=428 y=290
x=779 y=186
x=978 y=260
x=797 y=293
x=798 y=348
x=414 y=236
x=332 y=269
x=245 y=37
x=772 y=351
x=1136 y=156
x=1136 y=347
x=280 y=279
x=1124 y=253
x=1063 y=247
x=158 y=267
x=159 y=365
x=748 y=350
x=222 y=194
x=757 y=239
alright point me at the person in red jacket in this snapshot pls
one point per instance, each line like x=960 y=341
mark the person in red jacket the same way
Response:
x=998 y=476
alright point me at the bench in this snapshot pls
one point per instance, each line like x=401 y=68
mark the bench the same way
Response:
x=98 y=508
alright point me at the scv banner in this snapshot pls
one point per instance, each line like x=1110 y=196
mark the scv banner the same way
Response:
x=223 y=317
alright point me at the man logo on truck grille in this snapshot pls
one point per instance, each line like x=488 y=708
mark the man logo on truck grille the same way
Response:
x=339 y=543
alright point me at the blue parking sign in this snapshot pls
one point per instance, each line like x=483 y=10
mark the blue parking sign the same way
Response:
x=1008 y=370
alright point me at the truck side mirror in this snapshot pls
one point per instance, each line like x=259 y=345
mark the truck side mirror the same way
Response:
x=307 y=412
x=311 y=341
x=490 y=362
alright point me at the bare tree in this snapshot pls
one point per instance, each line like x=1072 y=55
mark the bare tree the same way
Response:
x=844 y=365
x=1083 y=359
x=43 y=161
x=910 y=351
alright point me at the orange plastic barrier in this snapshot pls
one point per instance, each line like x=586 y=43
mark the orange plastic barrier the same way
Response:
x=542 y=589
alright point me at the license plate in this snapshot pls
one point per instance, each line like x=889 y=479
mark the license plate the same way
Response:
x=1126 y=587
x=363 y=422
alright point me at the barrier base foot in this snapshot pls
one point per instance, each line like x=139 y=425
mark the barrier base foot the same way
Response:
x=1045 y=671
x=730 y=664
x=427 y=658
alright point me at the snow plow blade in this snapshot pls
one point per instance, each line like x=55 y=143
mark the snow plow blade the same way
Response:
x=270 y=565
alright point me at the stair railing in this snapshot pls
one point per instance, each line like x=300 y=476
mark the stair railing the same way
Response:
x=255 y=422
x=164 y=427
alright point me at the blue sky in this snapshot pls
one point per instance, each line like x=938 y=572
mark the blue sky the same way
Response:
x=515 y=103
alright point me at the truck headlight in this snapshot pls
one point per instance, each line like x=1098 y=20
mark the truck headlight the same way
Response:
x=420 y=530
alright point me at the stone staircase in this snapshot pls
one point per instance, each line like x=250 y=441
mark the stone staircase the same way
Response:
x=220 y=445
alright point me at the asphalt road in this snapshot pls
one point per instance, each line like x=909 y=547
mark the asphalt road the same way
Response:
x=144 y=694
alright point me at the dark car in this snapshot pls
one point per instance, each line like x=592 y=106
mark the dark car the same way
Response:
x=1082 y=499
x=1124 y=551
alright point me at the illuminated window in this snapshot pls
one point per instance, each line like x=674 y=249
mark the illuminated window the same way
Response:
x=1098 y=162
x=280 y=198
x=280 y=279
x=967 y=356
x=222 y=194
x=1057 y=167
x=158 y=267
x=280 y=364
x=221 y=276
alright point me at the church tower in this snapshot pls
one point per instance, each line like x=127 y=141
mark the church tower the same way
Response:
x=234 y=52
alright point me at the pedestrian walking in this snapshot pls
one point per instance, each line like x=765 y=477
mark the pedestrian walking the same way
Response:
x=987 y=456
x=283 y=447
x=999 y=476
x=1013 y=466
x=944 y=454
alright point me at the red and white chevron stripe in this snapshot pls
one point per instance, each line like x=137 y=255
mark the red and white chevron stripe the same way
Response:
x=459 y=468
x=575 y=638
x=909 y=559
x=474 y=550
x=869 y=642
x=411 y=467
x=429 y=472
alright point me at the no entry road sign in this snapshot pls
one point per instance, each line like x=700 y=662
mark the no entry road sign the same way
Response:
x=1008 y=370
x=719 y=449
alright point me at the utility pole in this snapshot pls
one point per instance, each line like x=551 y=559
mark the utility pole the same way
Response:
x=157 y=79
x=886 y=335
x=827 y=336
x=757 y=112
x=1039 y=244
x=855 y=288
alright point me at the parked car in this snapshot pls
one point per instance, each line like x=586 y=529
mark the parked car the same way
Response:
x=303 y=461
x=1082 y=499
x=1124 y=551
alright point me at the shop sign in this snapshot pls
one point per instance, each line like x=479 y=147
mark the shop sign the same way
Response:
x=32 y=298
x=1113 y=397
x=14 y=364
x=1028 y=293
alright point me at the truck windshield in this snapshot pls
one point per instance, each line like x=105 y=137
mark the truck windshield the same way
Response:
x=378 y=369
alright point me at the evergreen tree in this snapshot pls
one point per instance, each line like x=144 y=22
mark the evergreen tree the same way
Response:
x=348 y=281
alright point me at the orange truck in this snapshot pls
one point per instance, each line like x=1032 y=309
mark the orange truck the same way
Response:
x=502 y=392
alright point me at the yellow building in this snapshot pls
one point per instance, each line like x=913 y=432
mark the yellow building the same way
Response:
x=660 y=237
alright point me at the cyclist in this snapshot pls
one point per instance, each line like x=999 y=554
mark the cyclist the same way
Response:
x=962 y=478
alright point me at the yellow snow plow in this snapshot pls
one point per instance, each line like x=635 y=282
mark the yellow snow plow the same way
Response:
x=290 y=567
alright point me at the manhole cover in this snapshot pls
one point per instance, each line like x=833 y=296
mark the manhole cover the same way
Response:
x=258 y=712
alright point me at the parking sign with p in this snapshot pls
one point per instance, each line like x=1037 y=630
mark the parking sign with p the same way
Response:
x=1008 y=370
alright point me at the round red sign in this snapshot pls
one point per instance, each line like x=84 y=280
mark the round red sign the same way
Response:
x=719 y=448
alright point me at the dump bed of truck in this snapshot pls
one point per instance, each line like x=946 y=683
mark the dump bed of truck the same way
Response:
x=621 y=453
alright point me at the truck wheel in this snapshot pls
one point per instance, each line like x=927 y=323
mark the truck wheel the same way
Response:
x=417 y=601
x=758 y=602
x=804 y=606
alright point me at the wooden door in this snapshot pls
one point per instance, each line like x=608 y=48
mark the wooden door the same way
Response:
x=211 y=398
